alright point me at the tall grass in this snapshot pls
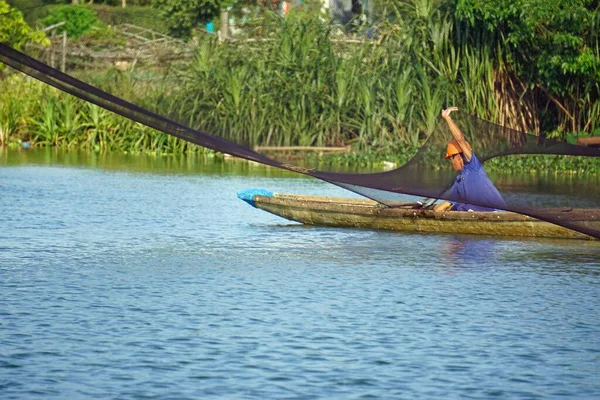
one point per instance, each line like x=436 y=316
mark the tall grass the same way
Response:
x=30 y=111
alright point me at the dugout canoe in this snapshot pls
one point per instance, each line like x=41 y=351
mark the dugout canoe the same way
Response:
x=364 y=213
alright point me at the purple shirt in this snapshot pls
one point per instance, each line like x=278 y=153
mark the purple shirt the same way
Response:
x=472 y=185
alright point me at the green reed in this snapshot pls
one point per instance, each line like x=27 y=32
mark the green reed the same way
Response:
x=300 y=87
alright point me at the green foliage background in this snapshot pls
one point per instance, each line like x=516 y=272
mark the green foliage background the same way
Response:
x=182 y=16
x=298 y=81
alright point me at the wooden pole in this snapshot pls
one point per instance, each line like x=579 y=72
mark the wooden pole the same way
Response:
x=224 y=31
x=63 y=63
x=51 y=48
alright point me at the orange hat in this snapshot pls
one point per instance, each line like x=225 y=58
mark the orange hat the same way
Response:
x=453 y=148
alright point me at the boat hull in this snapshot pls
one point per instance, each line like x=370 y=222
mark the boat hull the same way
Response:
x=360 y=213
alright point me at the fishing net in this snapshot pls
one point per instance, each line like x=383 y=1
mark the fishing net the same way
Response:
x=428 y=174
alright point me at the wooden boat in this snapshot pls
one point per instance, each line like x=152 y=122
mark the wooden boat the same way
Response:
x=363 y=213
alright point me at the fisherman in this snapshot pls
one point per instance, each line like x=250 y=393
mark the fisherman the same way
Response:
x=472 y=183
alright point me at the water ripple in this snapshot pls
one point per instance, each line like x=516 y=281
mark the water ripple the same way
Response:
x=178 y=290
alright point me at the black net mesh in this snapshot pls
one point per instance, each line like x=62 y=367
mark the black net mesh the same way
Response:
x=427 y=174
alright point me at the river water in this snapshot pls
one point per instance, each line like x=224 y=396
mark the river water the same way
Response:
x=138 y=277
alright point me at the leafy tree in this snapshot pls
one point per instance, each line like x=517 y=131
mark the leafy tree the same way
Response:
x=14 y=31
x=184 y=15
x=554 y=45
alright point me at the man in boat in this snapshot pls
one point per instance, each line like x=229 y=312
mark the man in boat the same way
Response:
x=472 y=182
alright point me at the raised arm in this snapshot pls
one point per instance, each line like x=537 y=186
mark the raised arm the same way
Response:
x=456 y=132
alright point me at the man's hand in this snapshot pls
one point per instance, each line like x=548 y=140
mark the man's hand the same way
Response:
x=445 y=206
x=446 y=113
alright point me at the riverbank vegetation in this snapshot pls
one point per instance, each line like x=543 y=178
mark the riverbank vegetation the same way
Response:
x=299 y=81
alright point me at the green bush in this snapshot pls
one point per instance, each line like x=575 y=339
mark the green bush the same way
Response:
x=146 y=17
x=103 y=38
x=78 y=20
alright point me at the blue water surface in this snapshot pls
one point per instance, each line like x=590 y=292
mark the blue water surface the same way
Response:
x=128 y=284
